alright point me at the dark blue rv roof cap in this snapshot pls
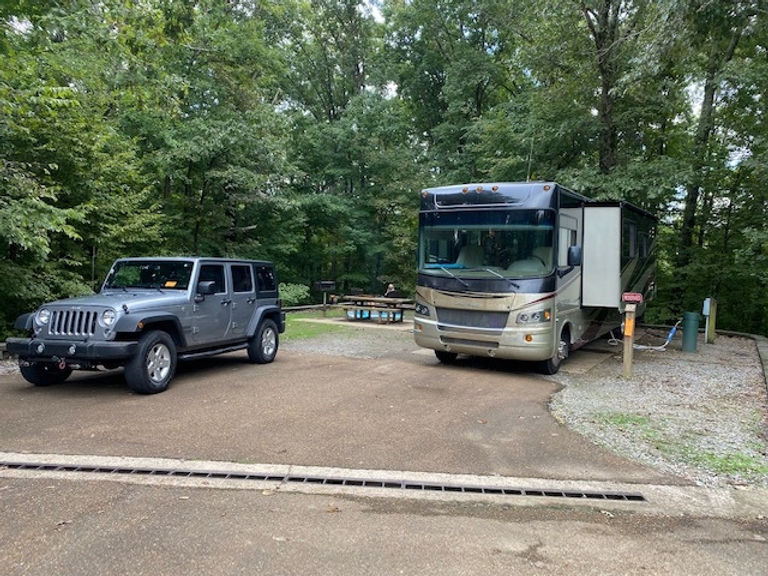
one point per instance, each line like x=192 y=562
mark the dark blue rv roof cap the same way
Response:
x=521 y=194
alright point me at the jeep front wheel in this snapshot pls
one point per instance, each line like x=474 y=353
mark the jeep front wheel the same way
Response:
x=44 y=374
x=151 y=369
x=262 y=347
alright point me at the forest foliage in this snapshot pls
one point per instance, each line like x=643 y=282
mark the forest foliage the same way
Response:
x=301 y=131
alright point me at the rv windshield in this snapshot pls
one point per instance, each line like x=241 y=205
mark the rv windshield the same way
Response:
x=487 y=244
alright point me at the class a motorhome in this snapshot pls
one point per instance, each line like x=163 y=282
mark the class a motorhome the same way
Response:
x=526 y=271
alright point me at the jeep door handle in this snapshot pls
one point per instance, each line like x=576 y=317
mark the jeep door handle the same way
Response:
x=251 y=300
x=226 y=302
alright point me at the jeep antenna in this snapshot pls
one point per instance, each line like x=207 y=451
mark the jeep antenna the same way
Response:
x=530 y=159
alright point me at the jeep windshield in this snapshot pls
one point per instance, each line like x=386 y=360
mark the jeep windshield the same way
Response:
x=150 y=274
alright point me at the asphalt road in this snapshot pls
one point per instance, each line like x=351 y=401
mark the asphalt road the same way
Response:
x=395 y=416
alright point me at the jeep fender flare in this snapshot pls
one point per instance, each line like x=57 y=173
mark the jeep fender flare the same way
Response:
x=24 y=322
x=135 y=323
x=270 y=311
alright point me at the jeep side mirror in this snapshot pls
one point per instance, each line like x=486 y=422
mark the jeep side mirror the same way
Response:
x=205 y=288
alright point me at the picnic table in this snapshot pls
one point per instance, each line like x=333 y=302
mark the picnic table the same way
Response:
x=366 y=307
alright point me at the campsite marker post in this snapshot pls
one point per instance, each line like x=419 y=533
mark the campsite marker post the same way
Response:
x=630 y=300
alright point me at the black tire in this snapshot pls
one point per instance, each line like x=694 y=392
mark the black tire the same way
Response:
x=152 y=368
x=45 y=374
x=552 y=365
x=446 y=357
x=262 y=347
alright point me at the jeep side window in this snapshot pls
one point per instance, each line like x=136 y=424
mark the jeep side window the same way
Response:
x=241 y=278
x=266 y=278
x=214 y=273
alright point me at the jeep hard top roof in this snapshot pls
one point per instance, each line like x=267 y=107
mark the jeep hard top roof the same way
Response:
x=192 y=259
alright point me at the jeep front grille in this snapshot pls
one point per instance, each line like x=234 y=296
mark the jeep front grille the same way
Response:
x=73 y=323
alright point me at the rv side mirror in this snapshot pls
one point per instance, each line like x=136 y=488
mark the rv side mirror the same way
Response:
x=574 y=256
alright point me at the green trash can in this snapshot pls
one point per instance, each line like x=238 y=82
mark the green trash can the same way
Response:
x=690 y=331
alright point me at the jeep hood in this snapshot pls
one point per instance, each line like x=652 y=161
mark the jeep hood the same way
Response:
x=134 y=299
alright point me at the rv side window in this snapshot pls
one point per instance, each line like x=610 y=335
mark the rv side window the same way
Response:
x=643 y=245
x=566 y=240
x=629 y=241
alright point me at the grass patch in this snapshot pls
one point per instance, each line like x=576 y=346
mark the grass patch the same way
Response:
x=684 y=448
x=623 y=421
x=738 y=464
x=296 y=327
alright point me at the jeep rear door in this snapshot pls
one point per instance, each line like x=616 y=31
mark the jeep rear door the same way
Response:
x=243 y=298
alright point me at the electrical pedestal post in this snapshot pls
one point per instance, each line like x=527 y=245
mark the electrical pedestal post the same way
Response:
x=709 y=311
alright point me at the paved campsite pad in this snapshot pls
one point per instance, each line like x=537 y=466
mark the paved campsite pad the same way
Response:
x=391 y=407
x=398 y=411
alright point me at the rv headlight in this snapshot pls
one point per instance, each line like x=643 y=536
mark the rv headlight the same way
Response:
x=537 y=317
x=43 y=316
x=108 y=318
x=421 y=310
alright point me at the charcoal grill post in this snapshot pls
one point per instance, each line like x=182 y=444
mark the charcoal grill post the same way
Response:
x=325 y=286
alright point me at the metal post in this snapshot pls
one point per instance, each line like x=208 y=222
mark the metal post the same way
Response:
x=325 y=304
x=711 y=322
x=629 y=338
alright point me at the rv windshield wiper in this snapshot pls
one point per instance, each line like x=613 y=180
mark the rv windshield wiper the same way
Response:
x=511 y=282
x=452 y=275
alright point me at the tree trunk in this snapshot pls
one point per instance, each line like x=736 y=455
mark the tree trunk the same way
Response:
x=603 y=24
x=717 y=60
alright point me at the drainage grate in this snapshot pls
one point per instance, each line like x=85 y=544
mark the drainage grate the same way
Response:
x=330 y=481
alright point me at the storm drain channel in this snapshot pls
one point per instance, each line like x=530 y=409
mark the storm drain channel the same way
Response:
x=406 y=485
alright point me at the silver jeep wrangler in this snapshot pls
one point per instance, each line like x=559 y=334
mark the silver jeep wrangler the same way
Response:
x=149 y=314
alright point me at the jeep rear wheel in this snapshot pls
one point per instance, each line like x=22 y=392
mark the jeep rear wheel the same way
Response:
x=262 y=347
x=44 y=374
x=151 y=369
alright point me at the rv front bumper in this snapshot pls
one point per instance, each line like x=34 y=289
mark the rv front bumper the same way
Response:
x=520 y=343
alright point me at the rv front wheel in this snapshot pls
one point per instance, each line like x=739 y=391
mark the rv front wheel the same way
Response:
x=446 y=357
x=552 y=365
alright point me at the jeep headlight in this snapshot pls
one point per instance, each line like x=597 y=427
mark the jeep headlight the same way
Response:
x=537 y=317
x=108 y=318
x=43 y=316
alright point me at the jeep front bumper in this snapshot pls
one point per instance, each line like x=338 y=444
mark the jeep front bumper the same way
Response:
x=69 y=351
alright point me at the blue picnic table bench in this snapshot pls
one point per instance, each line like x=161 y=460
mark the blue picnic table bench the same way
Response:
x=381 y=308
